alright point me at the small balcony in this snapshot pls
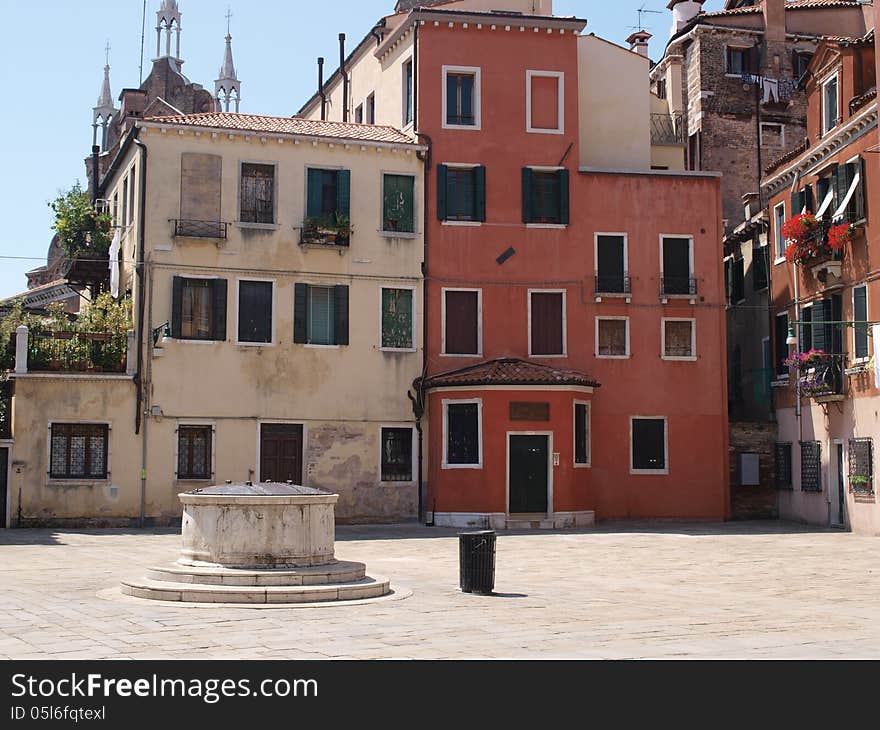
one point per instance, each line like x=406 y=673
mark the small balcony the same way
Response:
x=678 y=286
x=325 y=233
x=822 y=379
x=667 y=129
x=613 y=285
x=186 y=228
x=73 y=352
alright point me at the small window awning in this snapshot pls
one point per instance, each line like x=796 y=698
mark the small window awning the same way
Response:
x=841 y=209
x=826 y=203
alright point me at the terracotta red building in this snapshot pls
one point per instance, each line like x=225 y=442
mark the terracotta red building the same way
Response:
x=574 y=312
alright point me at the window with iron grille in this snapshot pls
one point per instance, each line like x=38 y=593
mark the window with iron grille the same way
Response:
x=861 y=465
x=782 y=465
x=78 y=451
x=397 y=455
x=678 y=338
x=811 y=466
x=257 y=201
x=194 y=452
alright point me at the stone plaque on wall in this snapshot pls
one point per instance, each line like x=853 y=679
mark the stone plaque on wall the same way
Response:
x=529 y=411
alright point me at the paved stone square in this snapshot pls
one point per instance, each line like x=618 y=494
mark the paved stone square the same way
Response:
x=623 y=590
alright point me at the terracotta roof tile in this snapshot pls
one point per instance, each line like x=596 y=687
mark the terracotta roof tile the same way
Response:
x=289 y=125
x=791 y=5
x=509 y=371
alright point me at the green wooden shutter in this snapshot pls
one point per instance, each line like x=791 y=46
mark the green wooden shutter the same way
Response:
x=527 y=194
x=480 y=193
x=563 y=197
x=314 y=193
x=300 y=313
x=820 y=342
x=860 y=314
x=861 y=198
x=341 y=297
x=808 y=199
x=176 y=302
x=219 y=301
x=839 y=181
x=728 y=278
x=796 y=202
x=343 y=193
x=441 y=192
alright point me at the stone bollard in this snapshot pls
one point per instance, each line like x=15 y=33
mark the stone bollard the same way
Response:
x=21 y=350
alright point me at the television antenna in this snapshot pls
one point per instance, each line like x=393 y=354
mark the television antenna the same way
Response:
x=644 y=11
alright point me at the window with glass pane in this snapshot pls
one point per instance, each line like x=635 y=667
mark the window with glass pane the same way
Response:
x=255 y=311
x=581 y=433
x=397 y=319
x=678 y=338
x=78 y=451
x=407 y=93
x=782 y=464
x=398 y=203
x=194 y=452
x=397 y=455
x=196 y=309
x=323 y=193
x=648 y=444
x=860 y=314
x=545 y=197
x=461 y=194
x=460 y=99
x=779 y=221
x=322 y=315
x=612 y=337
x=257 y=197
x=829 y=104
x=462 y=437
x=371 y=109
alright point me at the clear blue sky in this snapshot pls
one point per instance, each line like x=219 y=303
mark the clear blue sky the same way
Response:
x=52 y=58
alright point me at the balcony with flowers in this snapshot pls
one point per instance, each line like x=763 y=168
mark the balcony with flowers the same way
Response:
x=820 y=375
x=817 y=244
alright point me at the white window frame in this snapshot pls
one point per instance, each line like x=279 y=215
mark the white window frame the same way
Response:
x=276 y=212
x=861 y=360
x=564 y=293
x=778 y=239
x=403 y=120
x=552 y=226
x=650 y=472
x=781 y=128
x=476 y=71
x=689 y=358
x=413 y=329
x=413 y=466
x=560 y=77
x=416 y=212
x=443 y=352
x=692 y=273
x=602 y=318
x=777 y=375
x=274 y=339
x=625 y=237
x=445 y=403
x=74 y=480
x=325 y=285
x=834 y=78
x=589 y=462
x=461 y=166
x=198 y=424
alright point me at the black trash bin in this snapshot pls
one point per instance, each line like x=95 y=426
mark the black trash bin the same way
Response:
x=476 y=552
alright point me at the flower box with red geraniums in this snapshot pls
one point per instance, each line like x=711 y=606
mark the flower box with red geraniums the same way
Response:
x=839 y=236
x=800 y=228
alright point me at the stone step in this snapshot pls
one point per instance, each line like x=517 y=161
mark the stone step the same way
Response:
x=338 y=572
x=211 y=593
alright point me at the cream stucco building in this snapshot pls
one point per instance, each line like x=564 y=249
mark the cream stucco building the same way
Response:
x=275 y=270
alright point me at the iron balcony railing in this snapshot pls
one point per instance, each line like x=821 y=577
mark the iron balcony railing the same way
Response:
x=618 y=284
x=314 y=234
x=77 y=352
x=667 y=129
x=678 y=285
x=187 y=228
x=823 y=377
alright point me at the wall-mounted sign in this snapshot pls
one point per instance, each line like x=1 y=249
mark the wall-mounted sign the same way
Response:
x=529 y=411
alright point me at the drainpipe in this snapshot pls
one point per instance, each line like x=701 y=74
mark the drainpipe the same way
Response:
x=321 y=89
x=139 y=376
x=344 y=77
x=425 y=157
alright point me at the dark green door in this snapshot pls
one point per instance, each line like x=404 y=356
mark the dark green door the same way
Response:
x=4 y=463
x=528 y=473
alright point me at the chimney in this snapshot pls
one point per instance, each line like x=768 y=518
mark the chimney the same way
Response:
x=344 y=77
x=638 y=42
x=683 y=12
x=321 y=88
x=774 y=21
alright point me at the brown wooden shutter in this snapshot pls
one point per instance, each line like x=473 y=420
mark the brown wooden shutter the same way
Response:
x=547 y=323
x=176 y=302
x=462 y=323
x=200 y=176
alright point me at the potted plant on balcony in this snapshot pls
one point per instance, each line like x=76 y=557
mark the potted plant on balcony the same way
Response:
x=805 y=360
x=840 y=235
x=334 y=229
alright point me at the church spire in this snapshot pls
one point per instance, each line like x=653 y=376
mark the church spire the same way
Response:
x=227 y=88
x=103 y=113
x=168 y=20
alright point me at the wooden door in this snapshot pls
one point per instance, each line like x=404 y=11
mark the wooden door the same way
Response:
x=528 y=474
x=281 y=452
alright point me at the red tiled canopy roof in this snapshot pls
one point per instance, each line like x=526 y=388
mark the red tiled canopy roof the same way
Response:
x=509 y=371
x=289 y=125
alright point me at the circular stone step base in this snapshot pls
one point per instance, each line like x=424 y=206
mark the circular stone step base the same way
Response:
x=161 y=590
x=339 y=572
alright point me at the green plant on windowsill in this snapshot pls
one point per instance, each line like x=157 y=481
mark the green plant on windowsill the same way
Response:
x=332 y=229
x=859 y=480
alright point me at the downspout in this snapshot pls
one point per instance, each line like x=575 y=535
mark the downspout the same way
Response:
x=344 y=77
x=321 y=89
x=419 y=384
x=139 y=381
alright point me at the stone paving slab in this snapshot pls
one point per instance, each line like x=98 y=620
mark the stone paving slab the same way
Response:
x=620 y=591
